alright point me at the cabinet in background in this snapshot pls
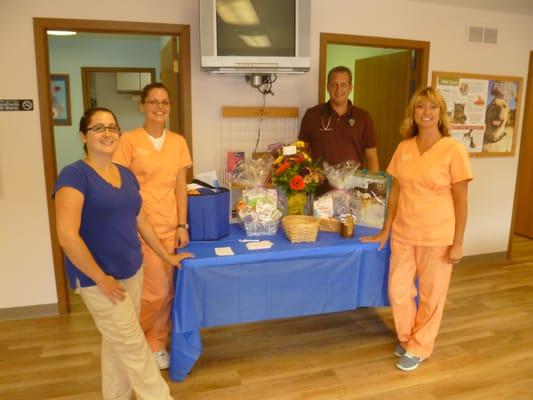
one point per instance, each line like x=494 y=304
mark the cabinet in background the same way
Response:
x=132 y=82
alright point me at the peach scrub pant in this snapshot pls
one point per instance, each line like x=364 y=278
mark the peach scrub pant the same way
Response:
x=127 y=362
x=157 y=295
x=417 y=327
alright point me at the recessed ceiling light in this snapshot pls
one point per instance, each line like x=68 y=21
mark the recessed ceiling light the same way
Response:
x=61 y=33
x=237 y=12
x=256 y=40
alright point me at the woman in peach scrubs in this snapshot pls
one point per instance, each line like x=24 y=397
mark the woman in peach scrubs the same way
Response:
x=426 y=219
x=159 y=159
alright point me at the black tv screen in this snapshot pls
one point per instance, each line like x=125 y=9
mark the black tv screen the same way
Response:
x=256 y=28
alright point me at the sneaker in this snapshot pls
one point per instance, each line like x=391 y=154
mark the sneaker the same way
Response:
x=162 y=359
x=408 y=362
x=399 y=350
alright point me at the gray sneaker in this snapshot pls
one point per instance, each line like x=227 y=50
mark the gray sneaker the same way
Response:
x=399 y=350
x=162 y=359
x=408 y=362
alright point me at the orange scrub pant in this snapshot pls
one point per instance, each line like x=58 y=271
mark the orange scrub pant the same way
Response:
x=157 y=295
x=417 y=327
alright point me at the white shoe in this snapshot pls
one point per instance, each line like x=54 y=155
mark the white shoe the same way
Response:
x=162 y=359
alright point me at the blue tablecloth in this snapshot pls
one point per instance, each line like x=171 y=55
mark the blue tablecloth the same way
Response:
x=332 y=274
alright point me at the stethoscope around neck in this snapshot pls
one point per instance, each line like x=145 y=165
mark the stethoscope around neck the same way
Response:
x=326 y=126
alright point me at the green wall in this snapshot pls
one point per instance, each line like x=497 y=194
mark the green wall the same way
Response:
x=340 y=54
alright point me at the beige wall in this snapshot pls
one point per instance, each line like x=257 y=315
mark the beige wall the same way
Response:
x=26 y=271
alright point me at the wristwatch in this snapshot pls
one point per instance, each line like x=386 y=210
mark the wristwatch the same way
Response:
x=184 y=226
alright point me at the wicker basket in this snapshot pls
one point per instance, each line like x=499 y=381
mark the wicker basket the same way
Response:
x=300 y=228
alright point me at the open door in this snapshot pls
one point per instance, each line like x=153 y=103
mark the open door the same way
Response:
x=382 y=86
x=524 y=184
x=40 y=28
x=169 y=77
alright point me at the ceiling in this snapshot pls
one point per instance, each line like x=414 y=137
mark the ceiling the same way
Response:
x=522 y=7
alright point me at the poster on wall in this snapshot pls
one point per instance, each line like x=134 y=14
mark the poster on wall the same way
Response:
x=483 y=110
x=60 y=92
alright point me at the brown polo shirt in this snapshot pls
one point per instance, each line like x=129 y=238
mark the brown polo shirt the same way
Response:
x=335 y=138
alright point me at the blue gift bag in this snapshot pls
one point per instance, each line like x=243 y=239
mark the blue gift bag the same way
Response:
x=208 y=213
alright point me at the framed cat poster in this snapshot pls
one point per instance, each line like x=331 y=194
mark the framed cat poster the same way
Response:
x=483 y=109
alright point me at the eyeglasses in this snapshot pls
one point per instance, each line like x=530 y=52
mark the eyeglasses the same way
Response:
x=154 y=103
x=100 y=128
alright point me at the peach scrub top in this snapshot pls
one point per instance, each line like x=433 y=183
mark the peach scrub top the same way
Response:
x=425 y=214
x=157 y=172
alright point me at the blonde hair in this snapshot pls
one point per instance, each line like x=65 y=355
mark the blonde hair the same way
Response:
x=408 y=127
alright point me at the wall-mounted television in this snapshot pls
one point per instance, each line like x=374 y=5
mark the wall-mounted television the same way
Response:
x=255 y=36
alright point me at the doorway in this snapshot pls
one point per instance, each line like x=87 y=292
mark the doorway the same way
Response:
x=182 y=64
x=522 y=221
x=384 y=79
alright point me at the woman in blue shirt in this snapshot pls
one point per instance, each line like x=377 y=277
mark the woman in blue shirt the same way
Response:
x=98 y=215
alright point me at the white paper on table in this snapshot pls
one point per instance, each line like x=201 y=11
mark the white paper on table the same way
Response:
x=208 y=177
x=224 y=251
x=264 y=244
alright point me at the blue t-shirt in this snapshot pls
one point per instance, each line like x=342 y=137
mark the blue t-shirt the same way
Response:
x=108 y=221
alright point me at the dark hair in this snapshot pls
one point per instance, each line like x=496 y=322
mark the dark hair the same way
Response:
x=150 y=86
x=85 y=120
x=339 y=69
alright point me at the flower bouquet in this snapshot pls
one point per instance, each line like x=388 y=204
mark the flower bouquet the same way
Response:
x=297 y=175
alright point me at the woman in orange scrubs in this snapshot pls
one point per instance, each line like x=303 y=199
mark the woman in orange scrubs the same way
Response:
x=159 y=159
x=426 y=219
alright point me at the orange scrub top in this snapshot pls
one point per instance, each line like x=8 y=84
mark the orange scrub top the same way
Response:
x=425 y=214
x=157 y=172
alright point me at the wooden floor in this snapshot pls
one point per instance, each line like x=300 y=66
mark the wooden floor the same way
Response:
x=484 y=350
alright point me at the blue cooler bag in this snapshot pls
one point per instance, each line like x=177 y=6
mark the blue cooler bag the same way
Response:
x=208 y=213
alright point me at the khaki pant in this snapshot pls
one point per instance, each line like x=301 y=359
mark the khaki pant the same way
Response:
x=157 y=295
x=127 y=362
x=417 y=327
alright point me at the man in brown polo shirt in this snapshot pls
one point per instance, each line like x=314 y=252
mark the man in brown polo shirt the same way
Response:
x=338 y=131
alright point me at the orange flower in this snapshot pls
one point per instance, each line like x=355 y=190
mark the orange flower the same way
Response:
x=297 y=183
x=298 y=159
x=282 y=167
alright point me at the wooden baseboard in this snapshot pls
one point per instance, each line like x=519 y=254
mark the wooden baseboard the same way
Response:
x=485 y=258
x=38 y=311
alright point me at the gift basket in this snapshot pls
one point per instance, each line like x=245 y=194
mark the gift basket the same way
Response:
x=371 y=190
x=257 y=209
x=300 y=228
x=338 y=206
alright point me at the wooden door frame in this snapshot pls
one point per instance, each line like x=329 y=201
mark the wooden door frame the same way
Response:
x=421 y=47
x=40 y=27
x=527 y=125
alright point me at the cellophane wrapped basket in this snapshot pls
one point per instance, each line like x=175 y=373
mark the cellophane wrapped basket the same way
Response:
x=300 y=228
x=257 y=228
x=257 y=210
